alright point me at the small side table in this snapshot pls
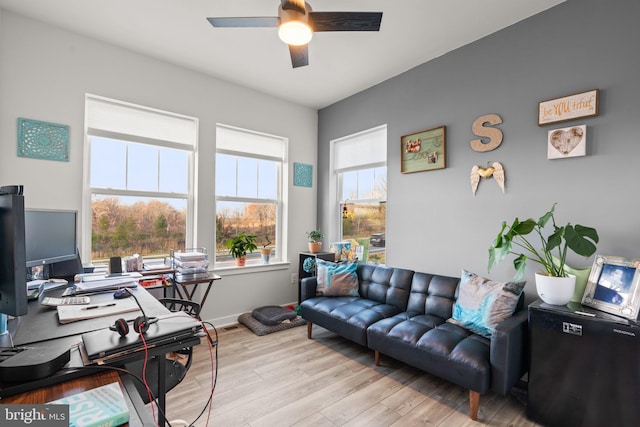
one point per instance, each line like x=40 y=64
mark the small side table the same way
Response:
x=182 y=286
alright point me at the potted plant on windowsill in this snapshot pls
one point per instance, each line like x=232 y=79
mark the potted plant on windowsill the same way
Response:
x=239 y=246
x=580 y=239
x=265 y=251
x=315 y=241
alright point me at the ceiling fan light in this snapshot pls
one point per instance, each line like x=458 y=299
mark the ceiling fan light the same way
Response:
x=295 y=33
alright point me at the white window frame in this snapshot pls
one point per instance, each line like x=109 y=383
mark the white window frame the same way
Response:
x=281 y=200
x=185 y=138
x=337 y=171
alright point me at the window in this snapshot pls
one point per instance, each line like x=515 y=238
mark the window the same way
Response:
x=360 y=173
x=139 y=185
x=249 y=190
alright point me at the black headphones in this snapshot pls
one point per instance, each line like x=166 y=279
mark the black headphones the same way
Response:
x=140 y=324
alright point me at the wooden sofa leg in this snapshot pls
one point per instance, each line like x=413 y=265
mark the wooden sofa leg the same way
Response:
x=309 y=328
x=376 y=357
x=474 y=402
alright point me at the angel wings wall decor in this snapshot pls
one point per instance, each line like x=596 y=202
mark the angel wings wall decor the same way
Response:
x=495 y=169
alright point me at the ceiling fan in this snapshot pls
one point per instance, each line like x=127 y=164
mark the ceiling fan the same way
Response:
x=296 y=23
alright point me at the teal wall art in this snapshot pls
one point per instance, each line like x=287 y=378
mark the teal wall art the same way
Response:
x=42 y=140
x=302 y=175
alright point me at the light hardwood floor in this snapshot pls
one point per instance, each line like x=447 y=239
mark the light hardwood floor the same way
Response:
x=285 y=379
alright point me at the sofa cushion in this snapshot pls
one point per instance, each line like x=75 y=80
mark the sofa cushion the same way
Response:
x=385 y=284
x=433 y=294
x=337 y=279
x=433 y=345
x=347 y=316
x=483 y=303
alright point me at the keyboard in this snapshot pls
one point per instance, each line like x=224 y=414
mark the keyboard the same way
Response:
x=54 y=302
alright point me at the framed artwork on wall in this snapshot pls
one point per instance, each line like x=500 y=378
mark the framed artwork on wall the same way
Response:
x=302 y=175
x=567 y=142
x=614 y=286
x=568 y=107
x=423 y=151
x=43 y=140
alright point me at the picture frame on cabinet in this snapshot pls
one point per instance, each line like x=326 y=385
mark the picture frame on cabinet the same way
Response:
x=614 y=286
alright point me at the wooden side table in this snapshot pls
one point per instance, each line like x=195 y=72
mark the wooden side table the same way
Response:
x=182 y=287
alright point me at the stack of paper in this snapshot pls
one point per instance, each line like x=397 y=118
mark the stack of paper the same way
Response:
x=100 y=282
x=191 y=265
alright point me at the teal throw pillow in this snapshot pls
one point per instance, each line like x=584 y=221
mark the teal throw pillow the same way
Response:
x=483 y=303
x=337 y=279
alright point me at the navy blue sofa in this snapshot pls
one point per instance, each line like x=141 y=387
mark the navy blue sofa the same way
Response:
x=403 y=314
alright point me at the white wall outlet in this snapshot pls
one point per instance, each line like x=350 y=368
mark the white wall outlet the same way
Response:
x=294 y=279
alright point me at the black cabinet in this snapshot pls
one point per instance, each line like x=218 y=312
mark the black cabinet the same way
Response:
x=327 y=256
x=585 y=368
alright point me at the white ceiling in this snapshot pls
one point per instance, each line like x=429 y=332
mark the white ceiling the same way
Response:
x=340 y=64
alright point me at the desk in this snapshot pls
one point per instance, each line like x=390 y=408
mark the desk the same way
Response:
x=189 y=295
x=138 y=415
x=40 y=327
x=41 y=322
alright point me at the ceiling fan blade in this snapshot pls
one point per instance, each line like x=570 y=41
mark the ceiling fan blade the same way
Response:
x=297 y=5
x=299 y=55
x=249 y=21
x=345 y=21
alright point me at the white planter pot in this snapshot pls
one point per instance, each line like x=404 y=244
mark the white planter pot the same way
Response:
x=555 y=290
x=265 y=254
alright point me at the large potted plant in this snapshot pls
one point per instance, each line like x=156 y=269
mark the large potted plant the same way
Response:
x=553 y=284
x=240 y=245
x=315 y=241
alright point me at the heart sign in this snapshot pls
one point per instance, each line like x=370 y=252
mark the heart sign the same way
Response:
x=486 y=172
x=567 y=142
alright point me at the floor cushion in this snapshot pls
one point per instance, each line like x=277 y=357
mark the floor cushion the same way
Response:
x=261 y=329
x=273 y=314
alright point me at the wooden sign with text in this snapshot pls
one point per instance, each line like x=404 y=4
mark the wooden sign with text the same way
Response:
x=569 y=107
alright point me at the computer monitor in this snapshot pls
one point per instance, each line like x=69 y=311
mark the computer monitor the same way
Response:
x=66 y=270
x=50 y=236
x=13 y=271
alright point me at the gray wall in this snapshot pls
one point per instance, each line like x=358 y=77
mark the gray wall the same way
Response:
x=44 y=74
x=434 y=223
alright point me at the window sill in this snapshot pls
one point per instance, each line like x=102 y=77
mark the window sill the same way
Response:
x=232 y=270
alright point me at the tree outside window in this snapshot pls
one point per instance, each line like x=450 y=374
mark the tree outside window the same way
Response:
x=139 y=180
x=359 y=164
x=249 y=190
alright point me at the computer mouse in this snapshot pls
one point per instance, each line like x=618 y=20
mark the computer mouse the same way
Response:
x=121 y=293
